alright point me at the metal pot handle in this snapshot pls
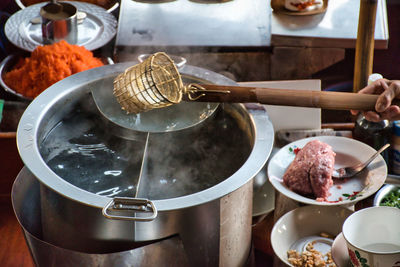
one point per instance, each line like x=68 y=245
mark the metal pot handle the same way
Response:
x=132 y=204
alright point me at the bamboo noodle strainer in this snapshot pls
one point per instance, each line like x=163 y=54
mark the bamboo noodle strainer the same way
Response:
x=153 y=83
x=156 y=83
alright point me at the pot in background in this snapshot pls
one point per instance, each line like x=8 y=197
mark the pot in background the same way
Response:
x=110 y=8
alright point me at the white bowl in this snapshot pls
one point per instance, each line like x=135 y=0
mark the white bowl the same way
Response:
x=373 y=236
x=299 y=227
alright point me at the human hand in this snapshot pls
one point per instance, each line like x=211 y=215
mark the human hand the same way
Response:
x=384 y=110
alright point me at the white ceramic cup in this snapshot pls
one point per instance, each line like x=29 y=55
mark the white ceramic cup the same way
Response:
x=373 y=237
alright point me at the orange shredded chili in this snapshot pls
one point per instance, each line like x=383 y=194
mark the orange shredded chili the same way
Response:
x=47 y=65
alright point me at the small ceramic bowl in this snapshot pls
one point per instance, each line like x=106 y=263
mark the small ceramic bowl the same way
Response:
x=373 y=236
x=302 y=226
x=6 y=65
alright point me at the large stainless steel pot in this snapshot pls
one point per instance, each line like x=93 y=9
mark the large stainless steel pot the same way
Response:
x=27 y=208
x=213 y=223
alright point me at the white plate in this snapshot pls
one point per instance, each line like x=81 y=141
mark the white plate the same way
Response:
x=344 y=192
x=304 y=225
x=98 y=28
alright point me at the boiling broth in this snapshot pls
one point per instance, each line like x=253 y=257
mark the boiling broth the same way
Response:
x=80 y=151
x=83 y=151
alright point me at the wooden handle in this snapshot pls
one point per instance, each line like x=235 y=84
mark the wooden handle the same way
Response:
x=288 y=97
x=363 y=62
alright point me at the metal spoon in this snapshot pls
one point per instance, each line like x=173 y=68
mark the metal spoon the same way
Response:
x=347 y=172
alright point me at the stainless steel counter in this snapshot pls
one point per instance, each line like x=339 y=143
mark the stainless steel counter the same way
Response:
x=241 y=23
x=184 y=23
x=262 y=44
x=336 y=28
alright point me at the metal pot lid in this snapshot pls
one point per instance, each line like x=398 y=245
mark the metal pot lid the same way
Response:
x=44 y=113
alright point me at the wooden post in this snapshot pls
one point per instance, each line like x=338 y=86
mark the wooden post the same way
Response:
x=365 y=44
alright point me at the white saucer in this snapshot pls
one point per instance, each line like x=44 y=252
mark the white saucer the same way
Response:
x=339 y=252
x=321 y=244
x=98 y=28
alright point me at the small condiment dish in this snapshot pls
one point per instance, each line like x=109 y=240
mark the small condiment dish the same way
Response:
x=317 y=225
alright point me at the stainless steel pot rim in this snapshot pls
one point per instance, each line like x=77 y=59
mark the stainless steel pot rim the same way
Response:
x=28 y=132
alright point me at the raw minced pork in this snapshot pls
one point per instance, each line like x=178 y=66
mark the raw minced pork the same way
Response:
x=310 y=173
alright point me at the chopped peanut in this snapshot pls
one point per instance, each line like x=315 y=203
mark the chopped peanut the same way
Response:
x=310 y=257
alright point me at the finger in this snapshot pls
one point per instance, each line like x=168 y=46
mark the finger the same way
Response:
x=385 y=99
x=376 y=87
x=372 y=116
x=392 y=113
